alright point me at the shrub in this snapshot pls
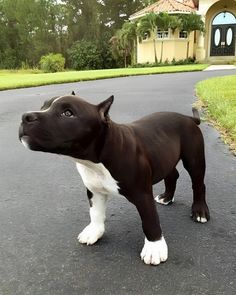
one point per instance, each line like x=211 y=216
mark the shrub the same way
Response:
x=187 y=61
x=166 y=63
x=52 y=63
x=84 y=55
x=8 y=59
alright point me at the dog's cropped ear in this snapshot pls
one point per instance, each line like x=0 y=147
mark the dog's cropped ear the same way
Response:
x=72 y=93
x=48 y=103
x=104 y=108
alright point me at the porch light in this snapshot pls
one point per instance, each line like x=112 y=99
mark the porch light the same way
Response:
x=225 y=7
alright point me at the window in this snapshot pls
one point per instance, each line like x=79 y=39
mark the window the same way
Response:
x=183 y=35
x=224 y=18
x=145 y=36
x=162 y=34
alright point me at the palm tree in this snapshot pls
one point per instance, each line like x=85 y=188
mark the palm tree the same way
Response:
x=146 y=27
x=175 y=23
x=191 y=22
x=124 y=42
x=149 y=23
x=129 y=37
x=117 y=47
x=163 y=23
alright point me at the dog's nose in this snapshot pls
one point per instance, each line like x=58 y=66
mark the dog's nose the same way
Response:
x=29 y=117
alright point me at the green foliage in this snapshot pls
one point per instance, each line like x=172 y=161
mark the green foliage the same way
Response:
x=175 y=23
x=146 y=26
x=8 y=59
x=30 y=29
x=123 y=43
x=192 y=22
x=85 y=55
x=52 y=63
x=187 y=61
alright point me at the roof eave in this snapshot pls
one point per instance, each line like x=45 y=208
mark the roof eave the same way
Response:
x=134 y=17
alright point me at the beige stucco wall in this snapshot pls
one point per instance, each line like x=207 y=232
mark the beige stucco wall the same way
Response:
x=210 y=10
x=204 y=5
x=173 y=47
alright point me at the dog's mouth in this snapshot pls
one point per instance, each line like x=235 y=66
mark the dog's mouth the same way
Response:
x=22 y=136
x=37 y=143
x=26 y=139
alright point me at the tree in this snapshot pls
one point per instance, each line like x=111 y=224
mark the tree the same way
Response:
x=124 y=43
x=115 y=12
x=129 y=40
x=30 y=29
x=175 y=23
x=189 y=23
x=163 y=22
x=146 y=27
x=85 y=55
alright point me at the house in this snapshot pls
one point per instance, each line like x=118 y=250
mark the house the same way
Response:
x=216 y=45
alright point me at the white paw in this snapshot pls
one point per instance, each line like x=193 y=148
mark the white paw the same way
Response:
x=160 y=200
x=154 y=252
x=91 y=234
x=201 y=219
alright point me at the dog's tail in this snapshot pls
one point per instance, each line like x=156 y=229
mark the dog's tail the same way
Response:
x=196 y=116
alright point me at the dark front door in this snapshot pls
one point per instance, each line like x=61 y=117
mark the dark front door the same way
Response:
x=223 y=40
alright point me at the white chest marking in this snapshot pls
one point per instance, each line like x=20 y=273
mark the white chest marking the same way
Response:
x=97 y=178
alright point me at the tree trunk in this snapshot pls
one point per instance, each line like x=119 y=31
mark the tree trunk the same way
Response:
x=188 y=45
x=155 y=53
x=134 y=53
x=162 y=42
x=125 y=59
x=188 y=49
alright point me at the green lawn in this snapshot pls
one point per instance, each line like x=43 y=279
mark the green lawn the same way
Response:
x=219 y=96
x=21 y=78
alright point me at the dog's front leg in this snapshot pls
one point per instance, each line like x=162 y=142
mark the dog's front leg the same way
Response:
x=155 y=248
x=95 y=230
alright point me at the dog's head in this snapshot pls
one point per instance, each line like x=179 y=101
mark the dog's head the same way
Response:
x=66 y=125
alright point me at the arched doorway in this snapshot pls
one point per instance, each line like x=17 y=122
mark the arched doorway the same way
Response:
x=223 y=34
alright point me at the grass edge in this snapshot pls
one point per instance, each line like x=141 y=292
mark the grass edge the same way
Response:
x=224 y=135
x=73 y=80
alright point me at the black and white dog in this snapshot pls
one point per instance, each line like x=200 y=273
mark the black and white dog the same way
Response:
x=125 y=159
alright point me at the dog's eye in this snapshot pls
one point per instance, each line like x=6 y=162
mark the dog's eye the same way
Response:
x=67 y=113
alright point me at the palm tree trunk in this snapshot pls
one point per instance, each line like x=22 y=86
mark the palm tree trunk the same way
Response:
x=134 y=54
x=188 y=49
x=125 y=59
x=155 y=53
x=162 y=43
x=188 y=34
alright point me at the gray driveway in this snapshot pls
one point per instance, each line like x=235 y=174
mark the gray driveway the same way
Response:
x=43 y=206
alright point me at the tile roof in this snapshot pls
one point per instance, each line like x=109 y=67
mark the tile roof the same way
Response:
x=170 y=6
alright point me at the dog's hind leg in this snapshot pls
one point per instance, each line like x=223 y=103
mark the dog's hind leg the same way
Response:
x=194 y=163
x=170 y=185
x=95 y=230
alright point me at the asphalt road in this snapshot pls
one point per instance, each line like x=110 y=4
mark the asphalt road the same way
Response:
x=43 y=206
